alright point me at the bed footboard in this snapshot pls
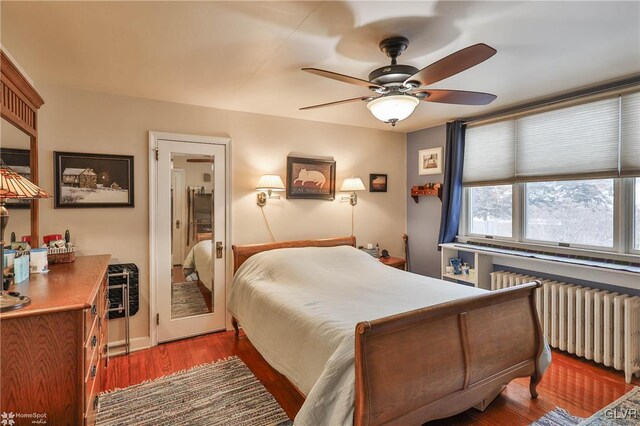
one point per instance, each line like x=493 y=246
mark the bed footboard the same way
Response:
x=438 y=361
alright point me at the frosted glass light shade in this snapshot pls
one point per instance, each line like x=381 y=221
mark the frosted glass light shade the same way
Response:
x=270 y=182
x=393 y=108
x=352 y=184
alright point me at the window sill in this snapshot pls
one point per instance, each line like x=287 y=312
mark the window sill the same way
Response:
x=510 y=244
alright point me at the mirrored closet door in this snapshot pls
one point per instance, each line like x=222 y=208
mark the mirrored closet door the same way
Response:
x=191 y=216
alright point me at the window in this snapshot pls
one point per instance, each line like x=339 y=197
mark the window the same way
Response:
x=576 y=212
x=636 y=215
x=491 y=210
x=568 y=176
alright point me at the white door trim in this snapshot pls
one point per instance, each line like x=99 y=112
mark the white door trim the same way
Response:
x=154 y=139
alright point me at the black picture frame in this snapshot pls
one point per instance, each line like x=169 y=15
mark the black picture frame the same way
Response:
x=316 y=172
x=18 y=160
x=97 y=176
x=376 y=186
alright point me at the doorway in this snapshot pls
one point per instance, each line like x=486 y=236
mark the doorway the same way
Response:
x=189 y=232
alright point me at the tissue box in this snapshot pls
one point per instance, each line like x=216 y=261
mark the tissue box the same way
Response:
x=21 y=268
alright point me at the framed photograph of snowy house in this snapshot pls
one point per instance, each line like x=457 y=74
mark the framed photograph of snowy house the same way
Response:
x=93 y=180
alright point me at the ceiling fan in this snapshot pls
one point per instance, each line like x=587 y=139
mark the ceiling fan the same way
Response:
x=398 y=87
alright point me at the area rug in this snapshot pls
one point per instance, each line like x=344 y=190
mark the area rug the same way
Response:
x=220 y=393
x=186 y=300
x=558 y=417
x=624 y=411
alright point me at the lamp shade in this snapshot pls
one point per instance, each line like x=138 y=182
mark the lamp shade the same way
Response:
x=270 y=182
x=352 y=184
x=393 y=108
x=13 y=185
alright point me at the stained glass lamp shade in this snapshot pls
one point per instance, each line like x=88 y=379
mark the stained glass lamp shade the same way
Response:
x=13 y=185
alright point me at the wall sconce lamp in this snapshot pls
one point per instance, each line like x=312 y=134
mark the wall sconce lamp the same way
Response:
x=268 y=183
x=352 y=185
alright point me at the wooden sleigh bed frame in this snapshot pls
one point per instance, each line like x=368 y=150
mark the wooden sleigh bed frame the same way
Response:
x=437 y=361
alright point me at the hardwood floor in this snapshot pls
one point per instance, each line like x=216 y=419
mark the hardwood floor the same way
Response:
x=579 y=386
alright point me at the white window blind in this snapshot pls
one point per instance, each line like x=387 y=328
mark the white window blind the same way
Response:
x=578 y=141
x=489 y=154
x=630 y=135
x=595 y=139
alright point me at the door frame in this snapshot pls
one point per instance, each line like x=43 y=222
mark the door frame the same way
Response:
x=154 y=139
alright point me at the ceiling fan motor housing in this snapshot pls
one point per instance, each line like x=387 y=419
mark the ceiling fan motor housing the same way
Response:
x=392 y=75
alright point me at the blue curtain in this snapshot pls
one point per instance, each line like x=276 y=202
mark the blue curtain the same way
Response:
x=452 y=184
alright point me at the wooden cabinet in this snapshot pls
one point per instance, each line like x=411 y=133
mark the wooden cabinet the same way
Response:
x=52 y=352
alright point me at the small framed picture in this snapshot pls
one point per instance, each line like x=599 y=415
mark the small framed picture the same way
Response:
x=93 y=180
x=311 y=178
x=377 y=182
x=430 y=161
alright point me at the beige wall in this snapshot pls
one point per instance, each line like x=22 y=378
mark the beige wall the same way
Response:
x=81 y=121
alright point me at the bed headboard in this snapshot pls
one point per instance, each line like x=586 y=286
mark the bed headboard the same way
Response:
x=242 y=252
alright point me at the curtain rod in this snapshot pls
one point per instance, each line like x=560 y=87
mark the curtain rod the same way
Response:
x=624 y=83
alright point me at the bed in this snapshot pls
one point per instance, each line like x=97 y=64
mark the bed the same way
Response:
x=369 y=345
x=200 y=261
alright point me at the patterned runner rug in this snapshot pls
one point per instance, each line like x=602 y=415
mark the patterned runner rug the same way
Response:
x=221 y=393
x=558 y=417
x=624 y=411
x=186 y=300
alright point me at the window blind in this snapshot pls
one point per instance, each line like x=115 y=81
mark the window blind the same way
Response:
x=489 y=154
x=578 y=141
x=594 y=139
x=630 y=135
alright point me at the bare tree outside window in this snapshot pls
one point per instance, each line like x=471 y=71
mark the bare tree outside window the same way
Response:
x=576 y=212
x=491 y=210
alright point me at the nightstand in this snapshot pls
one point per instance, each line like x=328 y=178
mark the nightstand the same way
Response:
x=395 y=262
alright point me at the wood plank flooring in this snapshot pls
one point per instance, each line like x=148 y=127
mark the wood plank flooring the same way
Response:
x=579 y=386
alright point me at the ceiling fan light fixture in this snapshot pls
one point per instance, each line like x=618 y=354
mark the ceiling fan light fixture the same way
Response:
x=393 y=108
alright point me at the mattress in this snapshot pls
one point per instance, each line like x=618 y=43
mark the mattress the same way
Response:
x=299 y=308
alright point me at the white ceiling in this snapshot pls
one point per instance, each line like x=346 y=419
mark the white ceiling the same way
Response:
x=246 y=56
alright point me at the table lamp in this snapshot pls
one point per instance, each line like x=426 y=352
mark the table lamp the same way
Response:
x=13 y=186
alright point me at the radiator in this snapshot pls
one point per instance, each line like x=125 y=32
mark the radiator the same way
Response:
x=594 y=324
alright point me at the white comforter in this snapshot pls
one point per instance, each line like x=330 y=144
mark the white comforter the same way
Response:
x=200 y=260
x=299 y=308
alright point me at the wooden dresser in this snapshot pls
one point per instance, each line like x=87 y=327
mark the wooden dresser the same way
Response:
x=53 y=352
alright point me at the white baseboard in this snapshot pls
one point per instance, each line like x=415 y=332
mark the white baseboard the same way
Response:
x=136 y=344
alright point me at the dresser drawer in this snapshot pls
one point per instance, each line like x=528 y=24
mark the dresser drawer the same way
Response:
x=90 y=316
x=92 y=383
x=91 y=347
x=92 y=409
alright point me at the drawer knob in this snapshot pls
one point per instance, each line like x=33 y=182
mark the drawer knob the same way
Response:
x=94 y=371
x=94 y=341
x=96 y=402
x=94 y=310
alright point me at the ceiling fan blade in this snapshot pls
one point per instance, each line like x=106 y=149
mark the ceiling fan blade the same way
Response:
x=345 y=101
x=458 y=97
x=342 y=77
x=452 y=64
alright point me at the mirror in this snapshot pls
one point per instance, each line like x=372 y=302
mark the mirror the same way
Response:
x=191 y=235
x=15 y=151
